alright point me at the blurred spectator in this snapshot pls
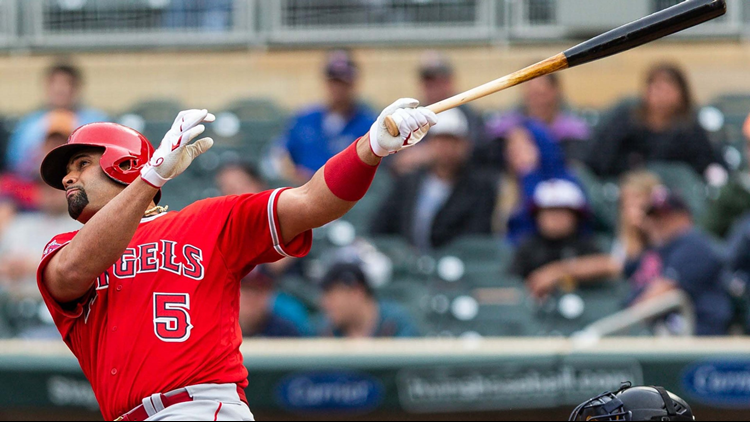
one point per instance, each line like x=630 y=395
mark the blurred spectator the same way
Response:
x=437 y=78
x=680 y=257
x=23 y=191
x=239 y=179
x=236 y=178
x=353 y=312
x=257 y=317
x=207 y=15
x=561 y=251
x=543 y=101
x=636 y=189
x=317 y=134
x=531 y=157
x=660 y=127
x=733 y=201
x=63 y=92
x=26 y=236
x=448 y=200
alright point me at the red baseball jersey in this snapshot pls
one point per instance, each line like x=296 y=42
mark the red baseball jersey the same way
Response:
x=165 y=316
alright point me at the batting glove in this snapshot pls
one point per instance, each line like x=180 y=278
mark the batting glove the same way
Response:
x=175 y=153
x=413 y=124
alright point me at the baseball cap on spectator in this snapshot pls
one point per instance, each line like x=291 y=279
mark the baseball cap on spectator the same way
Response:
x=434 y=64
x=452 y=122
x=346 y=274
x=340 y=66
x=665 y=201
x=559 y=194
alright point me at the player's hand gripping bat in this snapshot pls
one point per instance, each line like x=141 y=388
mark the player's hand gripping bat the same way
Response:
x=666 y=22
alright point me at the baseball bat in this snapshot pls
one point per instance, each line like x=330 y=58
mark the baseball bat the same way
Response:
x=653 y=27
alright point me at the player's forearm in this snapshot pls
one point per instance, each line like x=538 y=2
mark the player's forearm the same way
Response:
x=100 y=243
x=345 y=179
x=315 y=204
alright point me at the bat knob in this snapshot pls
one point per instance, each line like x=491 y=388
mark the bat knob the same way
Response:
x=392 y=127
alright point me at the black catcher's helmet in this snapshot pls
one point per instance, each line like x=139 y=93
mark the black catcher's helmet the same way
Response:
x=634 y=404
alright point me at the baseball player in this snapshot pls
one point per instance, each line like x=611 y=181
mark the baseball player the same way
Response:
x=147 y=300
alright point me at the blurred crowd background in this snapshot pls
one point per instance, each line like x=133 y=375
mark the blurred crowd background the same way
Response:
x=528 y=215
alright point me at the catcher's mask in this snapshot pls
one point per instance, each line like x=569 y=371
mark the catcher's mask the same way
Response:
x=634 y=404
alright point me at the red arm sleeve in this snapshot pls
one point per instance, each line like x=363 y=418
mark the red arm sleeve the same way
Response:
x=251 y=235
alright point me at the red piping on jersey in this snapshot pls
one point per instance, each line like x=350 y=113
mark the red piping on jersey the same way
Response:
x=216 y=416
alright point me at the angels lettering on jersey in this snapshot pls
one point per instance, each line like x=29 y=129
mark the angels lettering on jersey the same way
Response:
x=183 y=260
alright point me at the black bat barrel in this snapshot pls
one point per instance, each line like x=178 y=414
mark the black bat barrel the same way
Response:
x=666 y=22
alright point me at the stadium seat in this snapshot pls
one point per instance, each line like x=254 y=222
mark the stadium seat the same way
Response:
x=479 y=254
x=152 y=118
x=411 y=293
x=603 y=198
x=404 y=258
x=362 y=214
x=249 y=125
x=568 y=312
x=488 y=312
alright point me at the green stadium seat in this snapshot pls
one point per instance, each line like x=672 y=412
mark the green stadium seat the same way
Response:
x=404 y=258
x=362 y=214
x=485 y=258
x=603 y=199
x=249 y=126
x=559 y=316
x=412 y=294
x=156 y=118
x=488 y=312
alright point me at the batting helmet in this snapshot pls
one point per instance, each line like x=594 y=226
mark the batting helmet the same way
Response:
x=634 y=404
x=125 y=152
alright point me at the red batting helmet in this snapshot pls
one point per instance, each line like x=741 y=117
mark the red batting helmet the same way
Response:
x=125 y=153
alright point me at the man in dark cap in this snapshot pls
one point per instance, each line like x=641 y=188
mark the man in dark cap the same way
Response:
x=353 y=311
x=320 y=132
x=681 y=257
x=257 y=316
x=437 y=80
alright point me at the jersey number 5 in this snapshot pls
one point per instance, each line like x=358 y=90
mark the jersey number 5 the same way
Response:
x=172 y=317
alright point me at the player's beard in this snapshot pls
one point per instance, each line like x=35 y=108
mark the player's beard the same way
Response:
x=77 y=203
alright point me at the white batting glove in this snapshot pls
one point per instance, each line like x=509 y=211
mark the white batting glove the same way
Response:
x=175 y=153
x=413 y=124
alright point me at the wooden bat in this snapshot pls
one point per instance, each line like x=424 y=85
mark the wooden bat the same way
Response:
x=658 y=25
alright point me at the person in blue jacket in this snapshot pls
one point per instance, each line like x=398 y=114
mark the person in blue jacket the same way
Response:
x=531 y=157
x=318 y=133
x=64 y=84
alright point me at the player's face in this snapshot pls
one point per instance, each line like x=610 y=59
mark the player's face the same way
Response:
x=87 y=188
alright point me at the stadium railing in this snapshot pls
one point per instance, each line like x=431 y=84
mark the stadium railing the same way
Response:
x=50 y=24
x=8 y=23
x=97 y=24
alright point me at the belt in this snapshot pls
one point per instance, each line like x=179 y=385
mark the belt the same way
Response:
x=167 y=400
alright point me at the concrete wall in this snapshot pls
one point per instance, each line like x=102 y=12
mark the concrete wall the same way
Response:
x=207 y=79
